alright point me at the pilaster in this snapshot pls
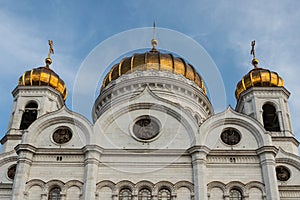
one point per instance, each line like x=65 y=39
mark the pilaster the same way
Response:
x=267 y=162
x=25 y=155
x=91 y=164
x=198 y=154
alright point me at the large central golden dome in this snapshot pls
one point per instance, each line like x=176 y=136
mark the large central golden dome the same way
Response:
x=153 y=60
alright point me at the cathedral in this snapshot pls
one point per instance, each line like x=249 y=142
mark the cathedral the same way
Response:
x=154 y=135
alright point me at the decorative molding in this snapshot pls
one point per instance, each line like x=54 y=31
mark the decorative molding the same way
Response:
x=162 y=185
x=230 y=159
x=46 y=187
x=162 y=84
x=124 y=184
x=53 y=158
x=289 y=191
x=10 y=137
x=144 y=184
x=155 y=188
x=245 y=188
x=267 y=149
x=285 y=139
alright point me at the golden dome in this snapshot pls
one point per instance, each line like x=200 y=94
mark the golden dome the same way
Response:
x=43 y=76
x=258 y=77
x=153 y=60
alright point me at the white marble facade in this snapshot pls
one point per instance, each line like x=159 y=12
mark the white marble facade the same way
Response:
x=185 y=159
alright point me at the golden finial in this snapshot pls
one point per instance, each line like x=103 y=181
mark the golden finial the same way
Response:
x=154 y=41
x=254 y=60
x=51 y=51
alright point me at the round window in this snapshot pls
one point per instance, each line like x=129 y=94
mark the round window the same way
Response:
x=146 y=128
x=62 y=135
x=230 y=136
x=282 y=173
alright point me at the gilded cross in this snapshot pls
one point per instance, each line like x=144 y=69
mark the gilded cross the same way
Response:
x=154 y=30
x=252 y=49
x=154 y=42
x=51 y=51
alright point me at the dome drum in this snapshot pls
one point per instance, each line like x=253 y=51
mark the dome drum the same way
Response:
x=163 y=84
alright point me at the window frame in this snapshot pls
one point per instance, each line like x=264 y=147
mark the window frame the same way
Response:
x=121 y=196
x=58 y=197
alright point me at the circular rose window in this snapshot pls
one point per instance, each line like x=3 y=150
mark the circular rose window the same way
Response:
x=146 y=128
x=62 y=135
x=230 y=136
x=282 y=173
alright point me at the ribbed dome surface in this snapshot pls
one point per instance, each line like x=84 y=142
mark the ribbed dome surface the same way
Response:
x=43 y=76
x=153 y=60
x=258 y=77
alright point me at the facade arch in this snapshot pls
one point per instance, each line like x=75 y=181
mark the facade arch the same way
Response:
x=216 y=184
x=106 y=183
x=73 y=183
x=164 y=185
x=34 y=182
x=144 y=184
x=54 y=183
x=186 y=184
x=256 y=184
x=124 y=184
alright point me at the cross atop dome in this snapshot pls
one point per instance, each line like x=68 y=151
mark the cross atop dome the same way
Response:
x=154 y=41
x=51 y=51
x=252 y=52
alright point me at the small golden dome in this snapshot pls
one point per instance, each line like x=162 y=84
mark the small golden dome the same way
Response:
x=258 y=77
x=153 y=60
x=43 y=76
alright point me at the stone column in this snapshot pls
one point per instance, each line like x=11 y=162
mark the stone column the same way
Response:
x=267 y=162
x=63 y=197
x=44 y=196
x=91 y=164
x=115 y=197
x=25 y=154
x=198 y=154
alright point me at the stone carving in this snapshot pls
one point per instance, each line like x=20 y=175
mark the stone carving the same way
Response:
x=282 y=173
x=230 y=136
x=62 y=135
x=11 y=172
x=146 y=128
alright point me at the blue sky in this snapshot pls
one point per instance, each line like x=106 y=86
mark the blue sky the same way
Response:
x=224 y=28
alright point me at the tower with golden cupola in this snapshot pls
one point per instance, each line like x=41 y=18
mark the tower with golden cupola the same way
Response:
x=261 y=94
x=39 y=91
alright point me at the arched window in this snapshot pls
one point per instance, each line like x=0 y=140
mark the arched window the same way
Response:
x=29 y=115
x=164 y=194
x=54 y=194
x=144 y=194
x=270 y=118
x=235 y=194
x=125 y=194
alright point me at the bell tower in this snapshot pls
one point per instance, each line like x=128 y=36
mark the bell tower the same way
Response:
x=39 y=92
x=261 y=94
